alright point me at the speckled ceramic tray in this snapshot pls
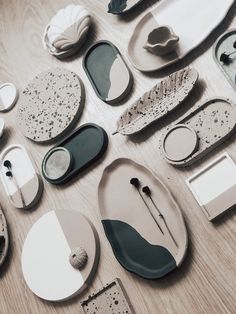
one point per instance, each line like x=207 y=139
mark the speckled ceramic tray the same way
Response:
x=110 y=299
x=146 y=240
x=46 y=252
x=121 y=6
x=4 y=238
x=212 y=122
x=24 y=187
x=225 y=45
x=107 y=72
x=50 y=104
x=85 y=146
x=194 y=22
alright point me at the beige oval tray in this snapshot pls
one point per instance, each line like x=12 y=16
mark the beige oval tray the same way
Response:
x=193 y=23
x=131 y=227
x=4 y=238
x=213 y=122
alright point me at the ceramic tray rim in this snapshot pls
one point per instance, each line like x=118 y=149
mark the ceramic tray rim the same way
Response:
x=214 y=52
x=117 y=51
x=145 y=16
x=71 y=174
x=6 y=237
x=169 y=193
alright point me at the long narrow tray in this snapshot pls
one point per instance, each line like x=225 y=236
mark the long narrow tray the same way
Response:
x=212 y=122
x=142 y=241
x=193 y=23
x=158 y=102
x=24 y=187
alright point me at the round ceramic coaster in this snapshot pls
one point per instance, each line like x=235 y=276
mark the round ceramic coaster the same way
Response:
x=2 y=125
x=8 y=96
x=60 y=255
x=179 y=142
x=50 y=103
x=57 y=163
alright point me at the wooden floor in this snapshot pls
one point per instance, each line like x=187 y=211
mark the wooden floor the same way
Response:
x=206 y=282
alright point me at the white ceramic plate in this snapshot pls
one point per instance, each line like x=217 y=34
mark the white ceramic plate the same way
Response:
x=45 y=255
x=8 y=96
x=191 y=20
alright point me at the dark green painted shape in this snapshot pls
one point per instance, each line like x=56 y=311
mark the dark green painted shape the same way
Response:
x=117 y=6
x=98 y=63
x=135 y=253
x=86 y=145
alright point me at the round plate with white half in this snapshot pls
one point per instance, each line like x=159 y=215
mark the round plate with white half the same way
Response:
x=8 y=96
x=46 y=254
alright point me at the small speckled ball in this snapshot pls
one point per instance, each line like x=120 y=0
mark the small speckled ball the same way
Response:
x=78 y=258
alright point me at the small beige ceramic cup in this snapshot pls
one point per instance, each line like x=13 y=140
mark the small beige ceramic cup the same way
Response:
x=161 y=40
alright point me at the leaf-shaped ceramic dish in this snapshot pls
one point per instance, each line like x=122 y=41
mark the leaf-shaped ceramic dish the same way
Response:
x=212 y=122
x=67 y=30
x=121 y=6
x=136 y=240
x=156 y=103
x=4 y=238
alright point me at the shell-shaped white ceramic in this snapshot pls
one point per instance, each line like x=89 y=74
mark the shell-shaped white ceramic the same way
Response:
x=68 y=28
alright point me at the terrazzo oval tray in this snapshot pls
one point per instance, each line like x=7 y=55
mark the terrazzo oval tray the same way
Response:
x=144 y=242
x=4 y=238
x=212 y=122
x=86 y=145
x=225 y=45
x=46 y=253
x=50 y=104
x=24 y=187
x=121 y=6
x=194 y=22
x=107 y=72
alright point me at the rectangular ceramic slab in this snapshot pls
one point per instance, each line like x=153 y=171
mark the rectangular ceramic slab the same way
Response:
x=214 y=186
x=110 y=299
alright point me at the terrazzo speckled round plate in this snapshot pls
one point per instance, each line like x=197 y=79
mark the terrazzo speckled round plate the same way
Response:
x=50 y=104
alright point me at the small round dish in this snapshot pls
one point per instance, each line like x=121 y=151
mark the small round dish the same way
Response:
x=180 y=142
x=8 y=96
x=56 y=163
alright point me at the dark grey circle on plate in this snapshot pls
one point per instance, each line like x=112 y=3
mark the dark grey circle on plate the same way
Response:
x=57 y=163
x=180 y=142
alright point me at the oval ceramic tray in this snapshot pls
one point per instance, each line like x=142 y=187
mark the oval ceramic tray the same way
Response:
x=194 y=22
x=212 y=122
x=142 y=241
x=107 y=72
x=225 y=44
x=24 y=187
x=85 y=146
x=50 y=242
x=4 y=238
x=121 y=6
x=50 y=104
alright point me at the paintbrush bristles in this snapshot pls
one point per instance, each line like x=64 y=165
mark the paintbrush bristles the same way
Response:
x=135 y=182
